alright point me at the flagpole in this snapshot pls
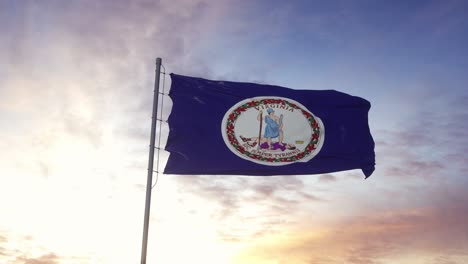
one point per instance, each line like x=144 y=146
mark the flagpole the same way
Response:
x=149 y=180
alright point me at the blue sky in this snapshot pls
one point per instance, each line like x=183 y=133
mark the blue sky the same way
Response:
x=76 y=82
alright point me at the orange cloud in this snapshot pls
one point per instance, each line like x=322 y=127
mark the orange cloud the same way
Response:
x=418 y=235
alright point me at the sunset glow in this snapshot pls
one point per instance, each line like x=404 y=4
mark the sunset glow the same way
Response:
x=76 y=83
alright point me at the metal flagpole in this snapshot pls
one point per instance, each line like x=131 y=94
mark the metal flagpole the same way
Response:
x=149 y=181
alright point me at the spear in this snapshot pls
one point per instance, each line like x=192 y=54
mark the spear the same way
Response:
x=260 y=130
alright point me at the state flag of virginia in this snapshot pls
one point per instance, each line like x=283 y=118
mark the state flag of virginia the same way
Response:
x=232 y=128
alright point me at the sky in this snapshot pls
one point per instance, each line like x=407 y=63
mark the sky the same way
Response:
x=76 y=82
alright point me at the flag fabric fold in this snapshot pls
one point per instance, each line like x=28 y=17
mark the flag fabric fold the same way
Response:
x=233 y=128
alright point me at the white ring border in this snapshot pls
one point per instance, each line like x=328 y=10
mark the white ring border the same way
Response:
x=320 y=142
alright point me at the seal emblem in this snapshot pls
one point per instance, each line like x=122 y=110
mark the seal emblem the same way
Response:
x=272 y=131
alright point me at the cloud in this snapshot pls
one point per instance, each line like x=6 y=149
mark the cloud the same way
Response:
x=436 y=231
x=327 y=178
x=429 y=143
x=416 y=168
x=50 y=258
x=82 y=73
x=232 y=191
x=266 y=203
x=444 y=260
x=10 y=253
x=3 y=251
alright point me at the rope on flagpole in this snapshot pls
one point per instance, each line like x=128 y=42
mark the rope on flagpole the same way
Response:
x=160 y=121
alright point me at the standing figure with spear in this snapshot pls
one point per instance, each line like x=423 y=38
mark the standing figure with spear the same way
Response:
x=273 y=128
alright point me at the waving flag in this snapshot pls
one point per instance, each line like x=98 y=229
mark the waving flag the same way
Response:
x=231 y=128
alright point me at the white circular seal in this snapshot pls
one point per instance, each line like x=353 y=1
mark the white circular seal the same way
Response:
x=272 y=131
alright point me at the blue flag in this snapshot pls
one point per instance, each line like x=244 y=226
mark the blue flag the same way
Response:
x=231 y=128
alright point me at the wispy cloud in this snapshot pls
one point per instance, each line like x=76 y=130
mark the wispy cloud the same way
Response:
x=426 y=233
x=428 y=143
x=82 y=72
x=327 y=178
x=266 y=203
x=17 y=255
x=44 y=259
